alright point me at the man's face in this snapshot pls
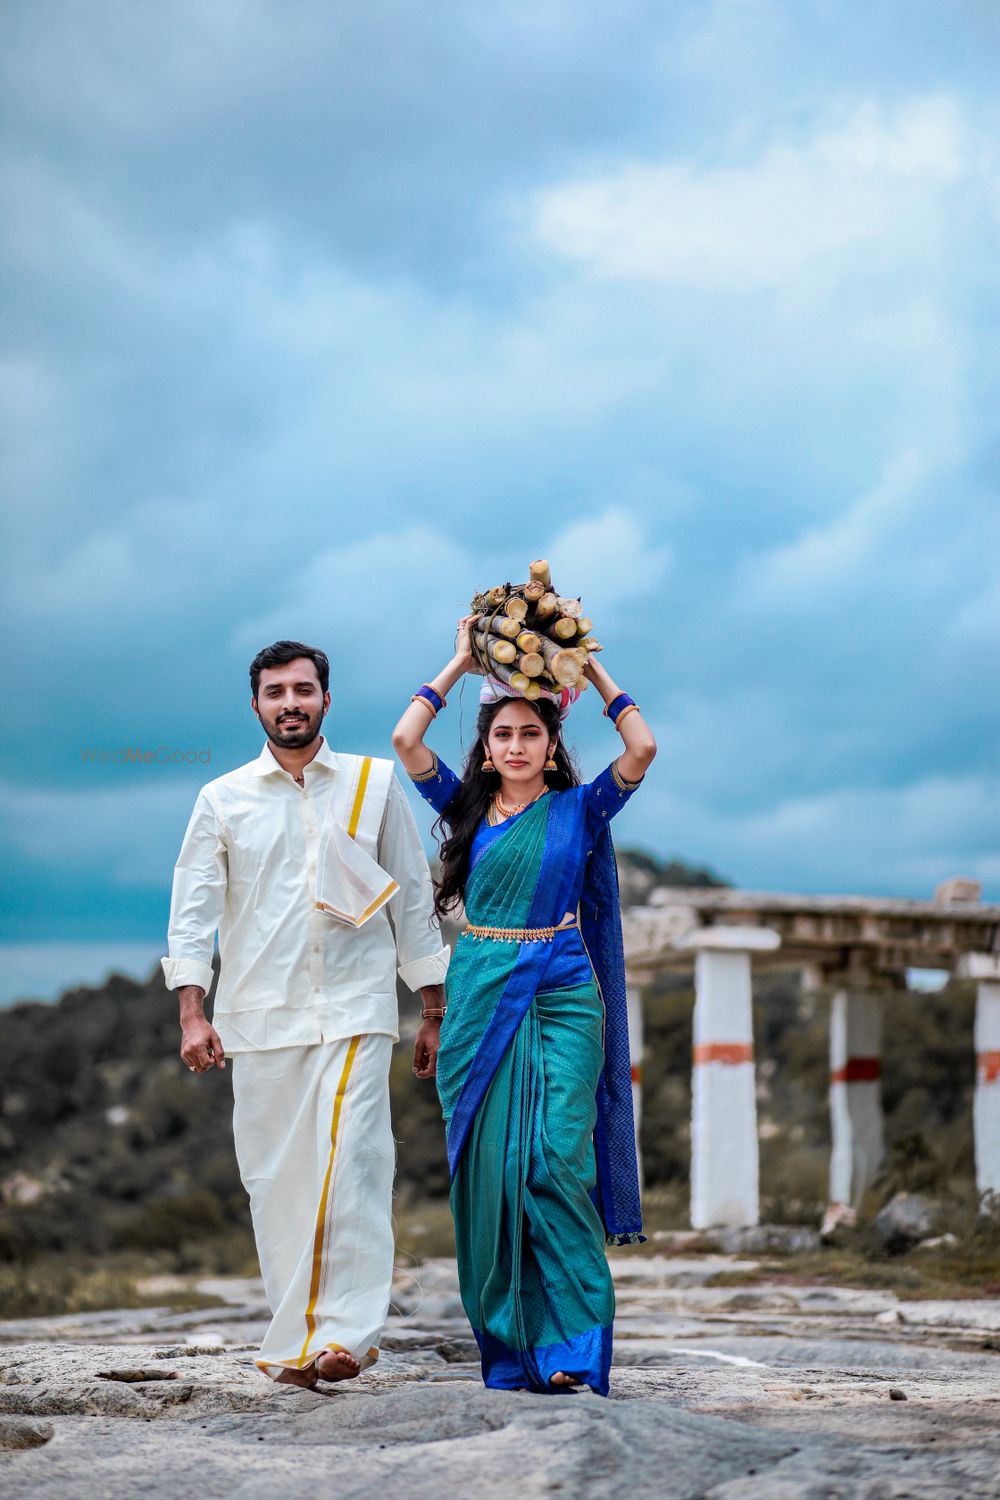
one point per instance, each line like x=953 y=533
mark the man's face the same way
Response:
x=290 y=703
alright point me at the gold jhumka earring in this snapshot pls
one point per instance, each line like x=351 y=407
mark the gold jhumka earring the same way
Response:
x=487 y=764
x=550 y=764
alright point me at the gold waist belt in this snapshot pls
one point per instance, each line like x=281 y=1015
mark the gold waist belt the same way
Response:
x=518 y=934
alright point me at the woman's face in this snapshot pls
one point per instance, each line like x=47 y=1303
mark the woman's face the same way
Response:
x=518 y=742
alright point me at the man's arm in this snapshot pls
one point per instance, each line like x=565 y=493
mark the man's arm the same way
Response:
x=196 y=905
x=421 y=956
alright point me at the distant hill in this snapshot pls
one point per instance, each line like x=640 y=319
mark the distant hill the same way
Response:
x=640 y=873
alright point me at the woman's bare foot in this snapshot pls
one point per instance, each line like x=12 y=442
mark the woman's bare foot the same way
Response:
x=561 y=1378
x=305 y=1378
x=336 y=1364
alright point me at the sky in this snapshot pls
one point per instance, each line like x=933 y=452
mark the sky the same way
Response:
x=319 y=318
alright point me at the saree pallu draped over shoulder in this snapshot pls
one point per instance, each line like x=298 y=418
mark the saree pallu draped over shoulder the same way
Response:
x=535 y=1082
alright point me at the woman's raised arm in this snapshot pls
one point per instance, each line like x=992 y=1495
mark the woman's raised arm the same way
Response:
x=640 y=746
x=408 y=735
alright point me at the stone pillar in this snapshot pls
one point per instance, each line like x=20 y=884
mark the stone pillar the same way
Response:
x=855 y=1099
x=636 y=1050
x=724 y=1173
x=985 y=969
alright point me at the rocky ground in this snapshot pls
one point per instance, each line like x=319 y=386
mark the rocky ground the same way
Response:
x=718 y=1393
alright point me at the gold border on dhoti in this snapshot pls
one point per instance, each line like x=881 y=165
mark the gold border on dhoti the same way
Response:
x=320 y=1234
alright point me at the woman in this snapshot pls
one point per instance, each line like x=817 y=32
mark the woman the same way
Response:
x=533 y=1067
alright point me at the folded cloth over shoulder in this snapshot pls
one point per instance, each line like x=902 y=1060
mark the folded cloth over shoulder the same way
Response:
x=350 y=885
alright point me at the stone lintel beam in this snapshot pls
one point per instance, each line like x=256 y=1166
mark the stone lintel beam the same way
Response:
x=724 y=939
x=864 y=977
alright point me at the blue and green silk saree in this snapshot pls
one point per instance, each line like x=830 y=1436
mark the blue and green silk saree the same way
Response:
x=535 y=1083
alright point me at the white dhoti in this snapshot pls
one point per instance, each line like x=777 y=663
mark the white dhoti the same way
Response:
x=316 y=1155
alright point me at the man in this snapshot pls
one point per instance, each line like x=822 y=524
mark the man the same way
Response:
x=309 y=864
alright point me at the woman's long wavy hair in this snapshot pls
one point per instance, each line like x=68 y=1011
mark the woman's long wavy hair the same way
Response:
x=469 y=806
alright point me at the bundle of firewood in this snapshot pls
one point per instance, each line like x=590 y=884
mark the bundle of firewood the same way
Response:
x=530 y=637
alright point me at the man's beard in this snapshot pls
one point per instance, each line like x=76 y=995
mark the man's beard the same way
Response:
x=293 y=735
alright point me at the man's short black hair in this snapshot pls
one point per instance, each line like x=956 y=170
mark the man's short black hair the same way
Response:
x=285 y=651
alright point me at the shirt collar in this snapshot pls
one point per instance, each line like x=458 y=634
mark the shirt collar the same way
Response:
x=266 y=762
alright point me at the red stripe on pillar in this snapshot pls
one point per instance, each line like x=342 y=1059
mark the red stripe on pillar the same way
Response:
x=858 y=1070
x=723 y=1052
x=636 y=1073
x=989 y=1067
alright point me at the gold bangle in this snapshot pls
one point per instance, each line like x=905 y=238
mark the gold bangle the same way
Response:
x=432 y=1015
x=419 y=698
x=630 y=708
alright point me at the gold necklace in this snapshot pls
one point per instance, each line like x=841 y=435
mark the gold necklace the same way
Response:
x=499 y=812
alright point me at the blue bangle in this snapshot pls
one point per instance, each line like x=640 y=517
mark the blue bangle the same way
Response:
x=616 y=705
x=433 y=698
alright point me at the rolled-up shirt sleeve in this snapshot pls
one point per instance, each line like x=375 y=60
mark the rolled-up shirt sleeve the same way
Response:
x=197 y=900
x=421 y=956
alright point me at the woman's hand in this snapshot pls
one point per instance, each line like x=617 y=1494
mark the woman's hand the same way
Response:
x=408 y=735
x=637 y=737
x=600 y=677
x=463 y=644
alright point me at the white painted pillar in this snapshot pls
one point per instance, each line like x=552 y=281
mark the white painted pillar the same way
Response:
x=855 y=1098
x=636 y=1049
x=985 y=969
x=724 y=1167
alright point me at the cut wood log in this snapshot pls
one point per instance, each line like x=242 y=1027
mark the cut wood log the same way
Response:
x=561 y=665
x=590 y=644
x=534 y=590
x=504 y=625
x=528 y=641
x=584 y=626
x=572 y=608
x=546 y=607
x=531 y=663
x=565 y=628
x=515 y=679
x=515 y=607
x=538 y=571
x=496 y=648
x=495 y=597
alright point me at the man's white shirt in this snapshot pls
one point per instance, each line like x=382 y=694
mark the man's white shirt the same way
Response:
x=292 y=974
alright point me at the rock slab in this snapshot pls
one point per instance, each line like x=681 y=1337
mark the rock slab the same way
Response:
x=718 y=1393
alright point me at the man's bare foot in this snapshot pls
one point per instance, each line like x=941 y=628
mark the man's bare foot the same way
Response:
x=336 y=1364
x=305 y=1378
x=561 y=1378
